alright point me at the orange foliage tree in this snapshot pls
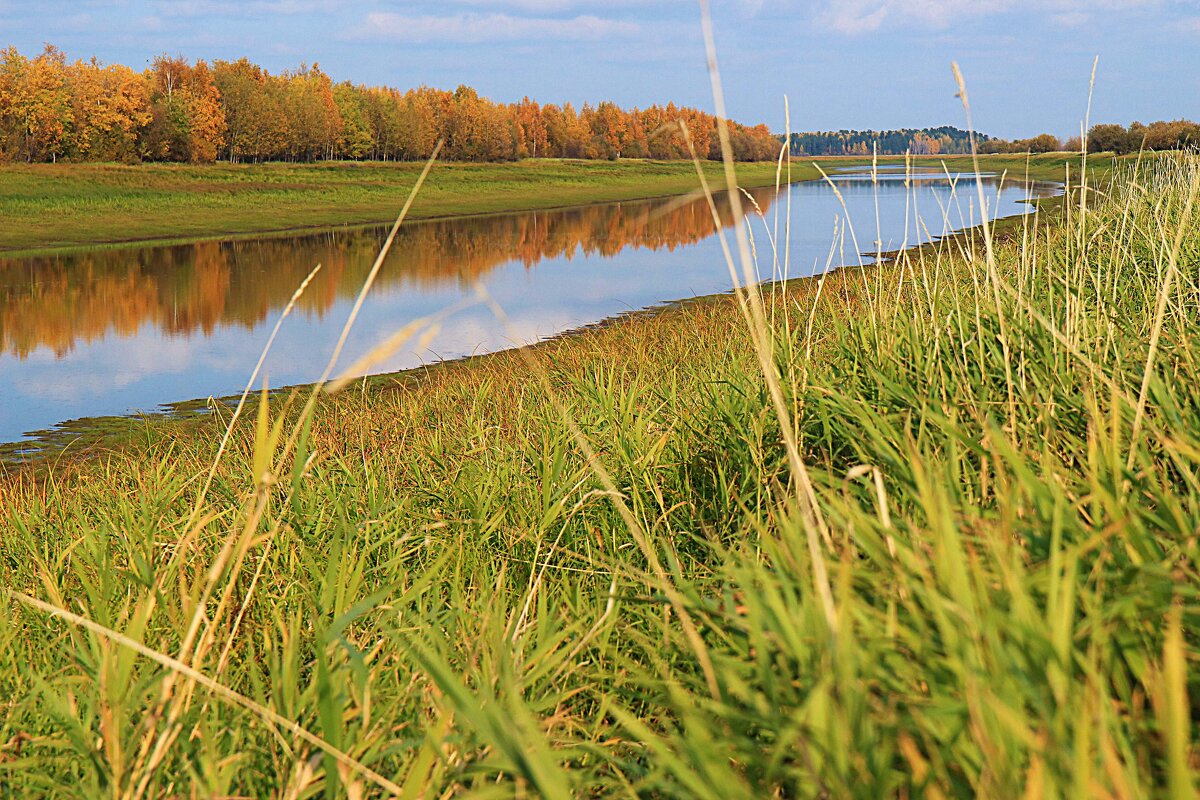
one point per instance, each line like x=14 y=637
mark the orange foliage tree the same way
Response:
x=35 y=105
x=110 y=106
x=237 y=111
x=187 y=117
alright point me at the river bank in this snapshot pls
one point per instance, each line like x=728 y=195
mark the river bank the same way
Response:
x=68 y=206
x=945 y=545
x=211 y=305
x=50 y=207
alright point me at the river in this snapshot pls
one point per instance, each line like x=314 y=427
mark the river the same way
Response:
x=115 y=331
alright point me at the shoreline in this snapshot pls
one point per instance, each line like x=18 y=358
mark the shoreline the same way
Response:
x=92 y=433
x=104 y=434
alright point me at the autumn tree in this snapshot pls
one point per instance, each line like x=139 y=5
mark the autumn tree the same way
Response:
x=188 y=111
x=187 y=117
x=35 y=104
x=924 y=145
x=478 y=130
x=354 y=141
x=422 y=117
x=383 y=118
x=661 y=136
x=1177 y=135
x=254 y=103
x=110 y=108
x=1043 y=143
x=1105 y=137
x=572 y=136
x=532 y=138
x=610 y=130
x=314 y=122
x=554 y=123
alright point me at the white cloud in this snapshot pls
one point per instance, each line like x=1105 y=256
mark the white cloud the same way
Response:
x=855 y=17
x=534 y=6
x=150 y=24
x=561 y=6
x=1071 y=19
x=211 y=8
x=865 y=16
x=470 y=27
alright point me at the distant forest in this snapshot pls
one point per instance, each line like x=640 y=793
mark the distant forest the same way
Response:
x=1180 y=134
x=52 y=109
x=1176 y=135
x=919 y=141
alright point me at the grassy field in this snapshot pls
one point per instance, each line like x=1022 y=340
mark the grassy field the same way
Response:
x=922 y=530
x=49 y=206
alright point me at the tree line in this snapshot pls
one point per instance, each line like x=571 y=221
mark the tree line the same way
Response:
x=178 y=110
x=1042 y=143
x=1180 y=134
x=919 y=141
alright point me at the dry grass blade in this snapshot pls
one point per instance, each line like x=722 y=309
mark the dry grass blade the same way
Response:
x=389 y=346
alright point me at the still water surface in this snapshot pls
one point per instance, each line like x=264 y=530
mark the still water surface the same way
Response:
x=116 y=331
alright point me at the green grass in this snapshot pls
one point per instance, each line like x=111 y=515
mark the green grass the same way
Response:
x=601 y=567
x=47 y=207
x=70 y=205
x=1043 y=167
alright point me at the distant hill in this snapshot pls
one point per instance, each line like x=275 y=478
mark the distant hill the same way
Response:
x=919 y=141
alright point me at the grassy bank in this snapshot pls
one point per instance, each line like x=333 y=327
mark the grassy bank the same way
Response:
x=49 y=206
x=946 y=545
x=1041 y=167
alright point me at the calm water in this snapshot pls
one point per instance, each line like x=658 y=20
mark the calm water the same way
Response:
x=117 y=331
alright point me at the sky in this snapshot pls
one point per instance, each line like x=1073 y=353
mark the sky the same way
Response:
x=841 y=63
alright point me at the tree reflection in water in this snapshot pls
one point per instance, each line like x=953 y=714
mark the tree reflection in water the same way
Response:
x=60 y=301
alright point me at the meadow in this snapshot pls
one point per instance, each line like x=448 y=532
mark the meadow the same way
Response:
x=50 y=206
x=60 y=206
x=923 y=529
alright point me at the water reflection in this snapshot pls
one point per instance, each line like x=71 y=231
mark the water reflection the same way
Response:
x=57 y=302
x=111 y=331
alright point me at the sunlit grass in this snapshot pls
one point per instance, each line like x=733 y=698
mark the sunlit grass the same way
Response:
x=70 y=205
x=592 y=566
x=83 y=205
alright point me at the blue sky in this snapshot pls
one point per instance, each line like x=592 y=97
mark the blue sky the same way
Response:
x=843 y=63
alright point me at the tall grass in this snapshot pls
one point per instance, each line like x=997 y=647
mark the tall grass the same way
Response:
x=595 y=567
